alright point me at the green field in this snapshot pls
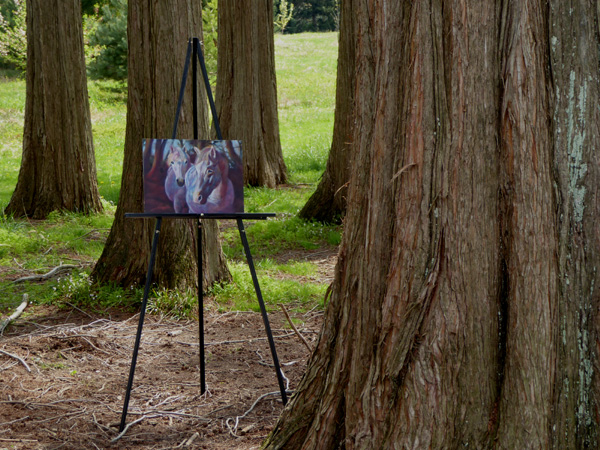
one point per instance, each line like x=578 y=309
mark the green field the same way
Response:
x=305 y=65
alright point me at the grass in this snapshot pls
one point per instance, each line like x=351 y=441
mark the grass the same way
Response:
x=305 y=67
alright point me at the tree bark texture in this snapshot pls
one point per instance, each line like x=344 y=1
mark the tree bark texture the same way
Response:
x=464 y=309
x=58 y=169
x=158 y=34
x=246 y=96
x=328 y=203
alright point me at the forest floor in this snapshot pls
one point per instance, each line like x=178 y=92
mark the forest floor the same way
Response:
x=63 y=376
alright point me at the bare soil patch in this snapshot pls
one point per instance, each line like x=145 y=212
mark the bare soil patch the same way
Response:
x=73 y=396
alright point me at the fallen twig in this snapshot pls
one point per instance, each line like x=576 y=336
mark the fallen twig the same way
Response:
x=13 y=421
x=16 y=314
x=129 y=425
x=289 y=319
x=46 y=275
x=187 y=442
x=17 y=358
x=233 y=429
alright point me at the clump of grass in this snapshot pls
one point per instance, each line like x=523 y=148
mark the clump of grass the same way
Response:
x=287 y=232
x=78 y=290
x=240 y=294
x=177 y=304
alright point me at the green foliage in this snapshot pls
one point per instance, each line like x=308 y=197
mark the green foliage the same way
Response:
x=283 y=17
x=210 y=22
x=312 y=15
x=90 y=7
x=78 y=290
x=174 y=303
x=13 y=36
x=109 y=42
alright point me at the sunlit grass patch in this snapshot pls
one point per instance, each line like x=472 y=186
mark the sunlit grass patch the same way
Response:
x=287 y=232
x=239 y=294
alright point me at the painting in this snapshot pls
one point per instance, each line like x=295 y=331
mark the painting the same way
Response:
x=192 y=176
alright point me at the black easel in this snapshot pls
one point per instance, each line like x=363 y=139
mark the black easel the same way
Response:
x=193 y=47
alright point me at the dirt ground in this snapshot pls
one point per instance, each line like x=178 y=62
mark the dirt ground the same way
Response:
x=66 y=391
x=63 y=376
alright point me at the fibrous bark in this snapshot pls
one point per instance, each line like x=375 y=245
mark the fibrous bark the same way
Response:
x=58 y=169
x=463 y=312
x=246 y=96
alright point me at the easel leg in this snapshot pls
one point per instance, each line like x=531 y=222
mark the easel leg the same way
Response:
x=138 y=336
x=262 y=310
x=201 y=311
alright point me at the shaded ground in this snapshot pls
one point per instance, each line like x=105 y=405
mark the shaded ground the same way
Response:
x=72 y=397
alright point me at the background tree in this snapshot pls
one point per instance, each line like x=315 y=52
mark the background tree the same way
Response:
x=313 y=15
x=58 y=169
x=328 y=203
x=158 y=34
x=464 y=309
x=246 y=95
x=110 y=37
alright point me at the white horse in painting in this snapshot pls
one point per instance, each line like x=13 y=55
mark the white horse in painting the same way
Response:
x=209 y=189
x=179 y=164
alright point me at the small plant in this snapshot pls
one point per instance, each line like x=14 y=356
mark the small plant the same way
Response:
x=78 y=290
x=284 y=16
x=173 y=303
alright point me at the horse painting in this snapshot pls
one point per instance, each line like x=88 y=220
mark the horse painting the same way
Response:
x=192 y=176
x=178 y=163
x=208 y=187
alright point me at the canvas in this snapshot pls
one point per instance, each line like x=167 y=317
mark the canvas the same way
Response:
x=192 y=176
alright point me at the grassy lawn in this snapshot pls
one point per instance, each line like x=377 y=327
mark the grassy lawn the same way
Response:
x=305 y=65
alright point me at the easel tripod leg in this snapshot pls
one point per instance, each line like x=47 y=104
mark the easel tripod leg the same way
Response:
x=262 y=310
x=138 y=336
x=201 y=311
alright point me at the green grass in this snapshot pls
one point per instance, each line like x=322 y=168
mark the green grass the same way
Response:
x=12 y=108
x=296 y=288
x=305 y=65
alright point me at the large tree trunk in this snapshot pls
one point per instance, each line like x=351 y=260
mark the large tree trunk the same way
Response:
x=574 y=64
x=464 y=307
x=328 y=203
x=246 y=95
x=58 y=170
x=158 y=33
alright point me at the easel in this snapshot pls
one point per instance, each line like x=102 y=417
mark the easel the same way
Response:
x=193 y=47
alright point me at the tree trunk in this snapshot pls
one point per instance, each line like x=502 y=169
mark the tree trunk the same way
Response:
x=158 y=33
x=574 y=63
x=58 y=169
x=328 y=203
x=246 y=95
x=464 y=307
